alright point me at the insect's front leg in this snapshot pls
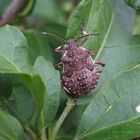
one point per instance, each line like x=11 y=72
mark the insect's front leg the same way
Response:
x=59 y=65
x=58 y=49
x=100 y=63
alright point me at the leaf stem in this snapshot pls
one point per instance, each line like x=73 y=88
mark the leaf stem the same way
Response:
x=28 y=129
x=43 y=135
x=11 y=11
x=69 y=106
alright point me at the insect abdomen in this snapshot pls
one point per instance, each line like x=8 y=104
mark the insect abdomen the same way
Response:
x=80 y=82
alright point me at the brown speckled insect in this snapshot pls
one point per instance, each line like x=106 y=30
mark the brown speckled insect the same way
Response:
x=80 y=73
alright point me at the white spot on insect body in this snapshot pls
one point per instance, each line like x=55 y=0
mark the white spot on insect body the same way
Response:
x=98 y=74
x=138 y=108
x=74 y=92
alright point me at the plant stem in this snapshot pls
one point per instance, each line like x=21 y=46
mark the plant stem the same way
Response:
x=43 y=135
x=68 y=108
x=28 y=129
x=11 y=11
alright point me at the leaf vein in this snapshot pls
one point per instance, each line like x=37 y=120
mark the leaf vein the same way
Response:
x=14 y=45
x=106 y=36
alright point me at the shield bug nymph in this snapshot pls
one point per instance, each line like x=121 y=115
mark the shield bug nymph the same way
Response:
x=80 y=72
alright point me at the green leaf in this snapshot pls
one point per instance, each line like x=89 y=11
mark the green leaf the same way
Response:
x=13 y=51
x=133 y=3
x=51 y=79
x=96 y=17
x=38 y=45
x=5 y=85
x=114 y=107
x=122 y=131
x=3 y=5
x=43 y=8
x=37 y=89
x=28 y=9
x=16 y=104
x=27 y=99
x=14 y=59
x=10 y=128
x=136 y=28
x=45 y=45
x=112 y=112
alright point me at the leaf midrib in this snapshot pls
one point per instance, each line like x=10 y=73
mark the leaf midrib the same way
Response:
x=14 y=45
x=18 y=70
x=106 y=36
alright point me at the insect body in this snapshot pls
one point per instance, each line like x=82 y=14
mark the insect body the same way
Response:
x=80 y=72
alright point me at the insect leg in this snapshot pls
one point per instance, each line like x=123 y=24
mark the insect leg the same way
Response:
x=59 y=65
x=58 y=49
x=100 y=63
x=92 y=52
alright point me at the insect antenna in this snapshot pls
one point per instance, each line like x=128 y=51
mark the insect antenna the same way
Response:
x=87 y=36
x=52 y=35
